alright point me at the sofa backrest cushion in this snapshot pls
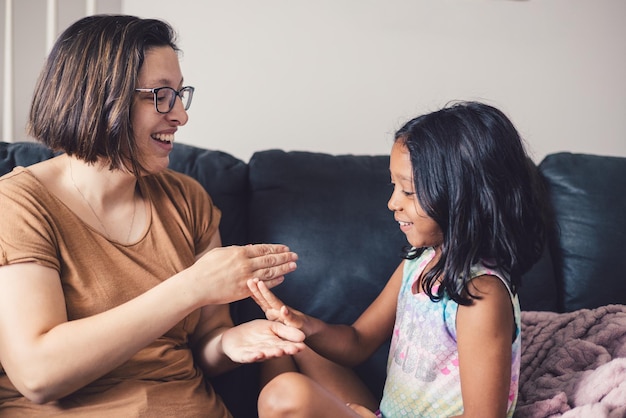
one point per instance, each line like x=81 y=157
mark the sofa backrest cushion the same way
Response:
x=22 y=154
x=332 y=211
x=588 y=195
x=539 y=288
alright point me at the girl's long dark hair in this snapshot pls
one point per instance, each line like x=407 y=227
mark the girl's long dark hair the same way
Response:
x=474 y=178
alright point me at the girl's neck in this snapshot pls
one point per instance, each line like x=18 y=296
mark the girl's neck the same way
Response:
x=417 y=286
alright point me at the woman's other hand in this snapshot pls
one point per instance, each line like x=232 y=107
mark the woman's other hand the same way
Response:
x=260 y=339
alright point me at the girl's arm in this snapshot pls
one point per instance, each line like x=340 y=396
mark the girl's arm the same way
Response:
x=48 y=357
x=348 y=345
x=485 y=334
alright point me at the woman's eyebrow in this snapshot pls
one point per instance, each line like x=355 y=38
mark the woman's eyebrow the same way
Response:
x=162 y=82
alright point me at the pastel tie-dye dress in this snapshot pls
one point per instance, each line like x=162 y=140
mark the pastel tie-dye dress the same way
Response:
x=422 y=370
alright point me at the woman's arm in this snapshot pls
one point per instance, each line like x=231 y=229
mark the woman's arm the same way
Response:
x=220 y=346
x=484 y=334
x=348 y=345
x=48 y=357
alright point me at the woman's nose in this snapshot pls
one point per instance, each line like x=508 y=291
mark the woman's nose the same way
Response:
x=178 y=113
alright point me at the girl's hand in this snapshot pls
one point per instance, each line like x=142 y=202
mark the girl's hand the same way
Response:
x=274 y=308
x=259 y=340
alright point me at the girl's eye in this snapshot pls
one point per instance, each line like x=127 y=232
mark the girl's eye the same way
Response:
x=404 y=192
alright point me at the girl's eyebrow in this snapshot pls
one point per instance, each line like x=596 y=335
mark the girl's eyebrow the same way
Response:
x=401 y=177
x=405 y=178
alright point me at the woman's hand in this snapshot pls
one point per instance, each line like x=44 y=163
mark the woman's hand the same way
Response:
x=259 y=340
x=221 y=274
x=274 y=308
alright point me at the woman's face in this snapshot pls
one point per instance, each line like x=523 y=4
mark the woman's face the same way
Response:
x=154 y=131
x=420 y=229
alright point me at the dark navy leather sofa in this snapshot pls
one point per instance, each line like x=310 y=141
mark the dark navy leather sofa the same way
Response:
x=332 y=210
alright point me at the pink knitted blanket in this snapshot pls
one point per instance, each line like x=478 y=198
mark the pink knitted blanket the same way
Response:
x=573 y=364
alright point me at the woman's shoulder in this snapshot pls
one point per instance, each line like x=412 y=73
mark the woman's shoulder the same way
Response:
x=35 y=175
x=20 y=181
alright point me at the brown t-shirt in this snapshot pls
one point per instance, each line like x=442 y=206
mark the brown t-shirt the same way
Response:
x=98 y=274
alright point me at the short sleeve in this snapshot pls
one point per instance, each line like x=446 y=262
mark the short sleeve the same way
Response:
x=27 y=219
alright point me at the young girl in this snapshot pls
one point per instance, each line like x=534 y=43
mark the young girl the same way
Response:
x=465 y=195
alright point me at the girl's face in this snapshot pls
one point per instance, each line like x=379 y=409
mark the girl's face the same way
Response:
x=154 y=132
x=420 y=229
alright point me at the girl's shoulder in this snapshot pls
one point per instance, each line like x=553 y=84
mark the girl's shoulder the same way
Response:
x=482 y=272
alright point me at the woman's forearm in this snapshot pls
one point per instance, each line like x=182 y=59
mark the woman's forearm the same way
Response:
x=53 y=363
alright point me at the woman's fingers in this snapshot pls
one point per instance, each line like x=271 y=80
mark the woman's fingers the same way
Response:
x=270 y=261
x=260 y=250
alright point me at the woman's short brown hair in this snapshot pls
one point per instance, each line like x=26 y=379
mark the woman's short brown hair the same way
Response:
x=83 y=97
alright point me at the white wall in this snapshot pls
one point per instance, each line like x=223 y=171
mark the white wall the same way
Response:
x=29 y=23
x=340 y=76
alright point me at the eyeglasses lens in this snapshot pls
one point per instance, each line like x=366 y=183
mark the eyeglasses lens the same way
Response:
x=166 y=98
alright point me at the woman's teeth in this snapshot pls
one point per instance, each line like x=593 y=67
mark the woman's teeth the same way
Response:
x=169 y=138
x=404 y=223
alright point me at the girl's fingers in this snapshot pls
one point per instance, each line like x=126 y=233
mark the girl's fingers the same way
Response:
x=267 y=294
x=257 y=296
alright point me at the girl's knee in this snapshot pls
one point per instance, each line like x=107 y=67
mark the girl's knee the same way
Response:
x=285 y=395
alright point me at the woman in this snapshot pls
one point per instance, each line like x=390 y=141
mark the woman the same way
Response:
x=113 y=283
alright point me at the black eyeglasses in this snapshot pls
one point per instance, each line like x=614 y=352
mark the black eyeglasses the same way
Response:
x=165 y=97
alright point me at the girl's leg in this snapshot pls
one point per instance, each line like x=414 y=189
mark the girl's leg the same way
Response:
x=293 y=395
x=341 y=381
x=269 y=369
x=338 y=382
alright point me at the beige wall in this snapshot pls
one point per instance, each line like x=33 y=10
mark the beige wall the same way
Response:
x=340 y=76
